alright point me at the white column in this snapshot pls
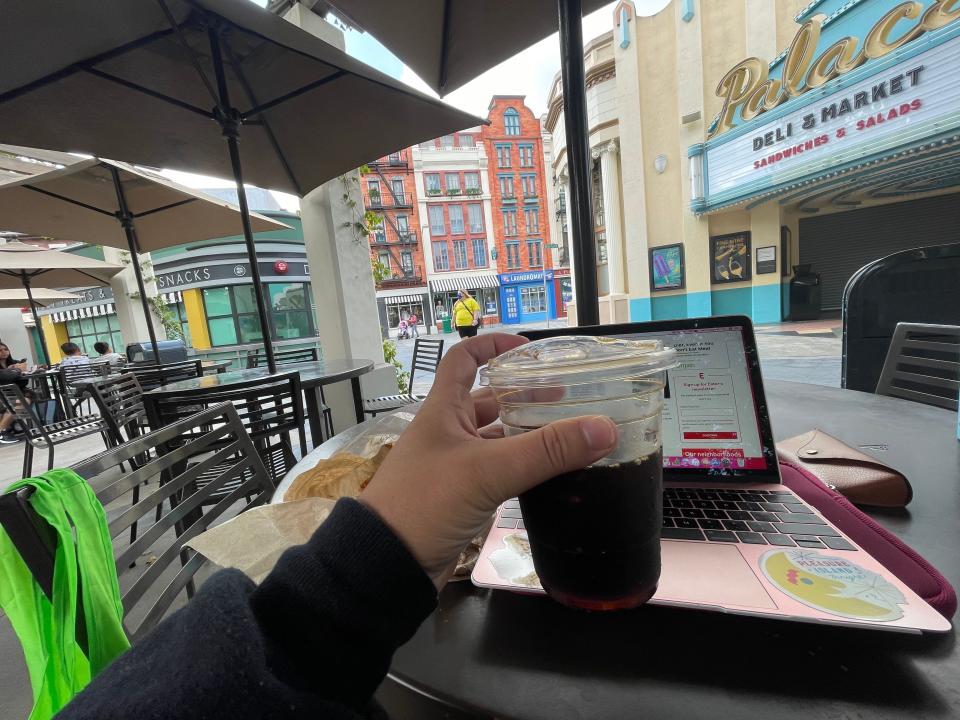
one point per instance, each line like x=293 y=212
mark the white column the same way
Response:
x=572 y=305
x=341 y=280
x=610 y=176
x=133 y=324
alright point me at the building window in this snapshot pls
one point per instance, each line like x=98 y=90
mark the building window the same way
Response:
x=383 y=257
x=513 y=255
x=532 y=216
x=456 y=219
x=535 y=253
x=479 y=253
x=379 y=234
x=87 y=331
x=529 y=185
x=180 y=310
x=453 y=183
x=406 y=261
x=471 y=182
x=466 y=141
x=290 y=310
x=597 y=185
x=446 y=142
x=601 y=238
x=232 y=313
x=428 y=145
x=526 y=155
x=533 y=299
x=436 y=220
x=432 y=181
x=503 y=156
x=509 y=222
x=396 y=313
x=506 y=186
x=373 y=190
x=441 y=258
x=403 y=226
x=394 y=158
x=511 y=122
x=460 y=261
x=475 y=217
x=396 y=185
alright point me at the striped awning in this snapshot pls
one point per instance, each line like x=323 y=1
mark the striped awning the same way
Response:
x=84 y=312
x=464 y=283
x=403 y=299
x=173 y=298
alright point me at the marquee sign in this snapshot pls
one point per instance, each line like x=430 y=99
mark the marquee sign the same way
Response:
x=914 y=99
x=748 y=91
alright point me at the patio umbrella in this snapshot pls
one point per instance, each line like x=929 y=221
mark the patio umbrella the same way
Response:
x=21 y=264
x=165 y=82
x=450 y=42
x=103 y=202
x=40 y=296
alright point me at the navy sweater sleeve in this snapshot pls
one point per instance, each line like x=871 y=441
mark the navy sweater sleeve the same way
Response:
x=313 y=640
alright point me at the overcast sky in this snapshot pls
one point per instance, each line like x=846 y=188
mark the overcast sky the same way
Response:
x=529 y=73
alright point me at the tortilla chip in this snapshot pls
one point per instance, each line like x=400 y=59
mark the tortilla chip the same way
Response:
x=343 y=475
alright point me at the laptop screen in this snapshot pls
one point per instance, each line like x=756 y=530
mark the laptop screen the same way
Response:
x=710 y=418
x=715 y=418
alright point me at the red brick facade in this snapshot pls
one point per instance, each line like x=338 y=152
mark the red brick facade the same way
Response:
x=518 y=189
x=390 y=191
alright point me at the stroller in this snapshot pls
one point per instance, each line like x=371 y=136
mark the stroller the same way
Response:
x=403 y=330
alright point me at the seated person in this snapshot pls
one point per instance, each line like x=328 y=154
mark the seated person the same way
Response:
x=11 y=372
x=72 y=355
x=106 y=353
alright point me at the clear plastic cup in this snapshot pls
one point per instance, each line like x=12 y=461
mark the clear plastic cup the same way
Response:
x=594 y=533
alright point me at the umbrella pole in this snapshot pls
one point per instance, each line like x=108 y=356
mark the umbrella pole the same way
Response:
x=126 y=220
x=580 y=202
x=36 y=319
x=230 y=126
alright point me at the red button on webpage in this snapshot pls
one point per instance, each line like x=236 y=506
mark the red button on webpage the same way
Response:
x=710 y=436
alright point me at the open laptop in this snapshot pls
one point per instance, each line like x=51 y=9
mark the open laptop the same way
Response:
x=734 y=539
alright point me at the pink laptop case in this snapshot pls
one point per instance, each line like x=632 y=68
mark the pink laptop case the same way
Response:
x=900 y=559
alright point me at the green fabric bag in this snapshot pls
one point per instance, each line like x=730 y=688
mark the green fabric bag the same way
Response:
x=47 y=630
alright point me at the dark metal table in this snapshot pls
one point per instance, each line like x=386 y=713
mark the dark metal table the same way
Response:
x=487 y=653
x=313 y=376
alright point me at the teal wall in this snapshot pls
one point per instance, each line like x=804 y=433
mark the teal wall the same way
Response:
x=669 y=307
x=94 y=252
x=785 y=298
x=292 y=234
x=640 y=310
x=766 y=304
x=738 y=301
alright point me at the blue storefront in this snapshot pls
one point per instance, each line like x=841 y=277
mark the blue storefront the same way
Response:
x=527 y=297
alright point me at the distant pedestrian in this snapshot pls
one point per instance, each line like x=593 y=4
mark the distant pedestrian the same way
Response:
x=414 y=332
x=466 y=314
x=403 y=330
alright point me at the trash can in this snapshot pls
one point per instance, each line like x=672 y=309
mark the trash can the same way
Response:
x=448 y=324
x=804 y=294
x=170 y=351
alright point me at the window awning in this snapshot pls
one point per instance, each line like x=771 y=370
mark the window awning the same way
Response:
x=86 y=312
x=465 y=283
x=403 y=299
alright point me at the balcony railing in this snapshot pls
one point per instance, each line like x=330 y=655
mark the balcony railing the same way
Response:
x=403 y=237
x=473 y=191
x=403 y=277
x=377 y=201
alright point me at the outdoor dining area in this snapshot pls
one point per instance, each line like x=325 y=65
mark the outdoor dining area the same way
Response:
x=201 y=538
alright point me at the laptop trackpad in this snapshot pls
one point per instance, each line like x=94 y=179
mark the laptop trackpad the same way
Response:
x=709 y=573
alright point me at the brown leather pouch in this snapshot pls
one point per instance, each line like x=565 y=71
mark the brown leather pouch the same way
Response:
x=859 y=477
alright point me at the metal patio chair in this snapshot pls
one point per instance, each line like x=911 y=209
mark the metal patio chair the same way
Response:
x=426 y=356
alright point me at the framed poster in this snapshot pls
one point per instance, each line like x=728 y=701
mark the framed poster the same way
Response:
x=666 y=267
x=730 y=258
x=767 y=260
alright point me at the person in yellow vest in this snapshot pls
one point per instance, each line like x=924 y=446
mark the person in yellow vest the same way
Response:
x=466 y=314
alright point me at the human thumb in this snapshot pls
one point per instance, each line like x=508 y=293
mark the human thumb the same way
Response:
x=523 y=461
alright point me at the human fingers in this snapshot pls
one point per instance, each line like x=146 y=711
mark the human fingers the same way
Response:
x=517 y=463
x=458 y=369
x=485 y=406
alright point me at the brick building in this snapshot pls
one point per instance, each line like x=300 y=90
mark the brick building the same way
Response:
x=389 y=191
x=457 y=227
x=521 y=228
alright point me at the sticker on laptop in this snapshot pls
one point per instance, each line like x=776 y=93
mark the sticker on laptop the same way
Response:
x=833 y=584
x=514 y=561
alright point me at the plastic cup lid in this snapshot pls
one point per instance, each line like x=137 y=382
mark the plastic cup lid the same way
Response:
x=575 y=359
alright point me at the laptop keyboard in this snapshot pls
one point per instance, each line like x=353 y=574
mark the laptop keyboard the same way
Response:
x=755 y=517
